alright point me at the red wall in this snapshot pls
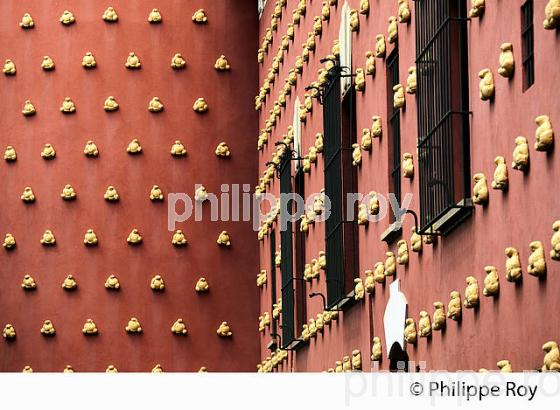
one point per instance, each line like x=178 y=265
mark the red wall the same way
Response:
x=231 y=30
x=513 y=326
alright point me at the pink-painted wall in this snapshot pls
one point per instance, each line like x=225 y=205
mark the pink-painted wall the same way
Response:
x=512 y=326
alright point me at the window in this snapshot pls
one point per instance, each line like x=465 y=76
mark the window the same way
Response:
x=296 y=124
x=443 y=114
x=394 y=128
x=345 y=45
x=527 y=44
x=339 y=124
x=300 y=284
x=273 y=274
x=286 y=249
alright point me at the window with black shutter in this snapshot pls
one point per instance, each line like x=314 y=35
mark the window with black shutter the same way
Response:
x=394 y=128
x=527 y=44
x=443 y=114
x=272 y=284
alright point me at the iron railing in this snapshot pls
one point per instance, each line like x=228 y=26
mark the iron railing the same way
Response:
x=443 y=112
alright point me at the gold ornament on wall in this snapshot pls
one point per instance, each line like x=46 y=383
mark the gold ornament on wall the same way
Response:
x=477 y=8
x=551 y=360
x=507 y=63
x=513 y=265
x=480 y=189
x=48 y=238
x=157 y=283
x=360 y=80
x=379 y=272
x=134 y=237
x=156 y=194
x=537 y=262
x=48 y=328
x=424 y=324
x=544 y=134
x=471 y=293
x=454 y=308
x=27 y=369
x=486 y=85
x=491 y=281
x=552 y=15
x=111 y=194
x=520 y=154
x=179 y=328
x=69 y=283
x=67 y=18
x=363 y=214
x=200 y=105
x=201 y=194
x=398 y=96
x=555 y=241
x=27 y=21
x=88 y=60
x=356 y=155
x=356 y=360
x=376 y=350
x=438 y=320
x=157 y=369
x=392 y=30
x=317 y=27
x=504 y=366
x=68 y=193
x=370 y=63
x=90 y=238
x=28 y=195
x=132 y=61
x=90 y=328
x=112 y=282
x=411 y=80
x=68 y=106
x=376 y=127
x=410 y=335
x=390 y=264
x=261 y=278
x=48 y=152
x=110 y=15
x=9 y=332
x=28 y=109
x=402 y=252
x=407 y=165
x=178 y=149
x=222 y=150
x=133 y=326
x=9 y=241
x=134 y=147
x=222 y=64
x=223 y=239
x=201 y=285
x=155 y=105
x=359 y=290
x=199 y=16
x=10 y=154
x=179 y=238
x=47 y=64
x=28 y=283
x=224 y=330
x=354 y=21
x=500 y=180
x=155 y=16
x=111 y=369
x=404 y=11
x=111 y=104
x=380 y=47
x=415 y=240
x=9 y=67
x=178 y=62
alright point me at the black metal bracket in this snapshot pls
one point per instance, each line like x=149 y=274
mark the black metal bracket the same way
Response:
x=314 y=294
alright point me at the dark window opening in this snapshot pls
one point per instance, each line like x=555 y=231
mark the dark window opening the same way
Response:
x=394 y=129
x=527 y=44
x=300 y=287
x=443 y=114
x=398 y=359
x=273 y=275
x=339 y=124
x=286 y=249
